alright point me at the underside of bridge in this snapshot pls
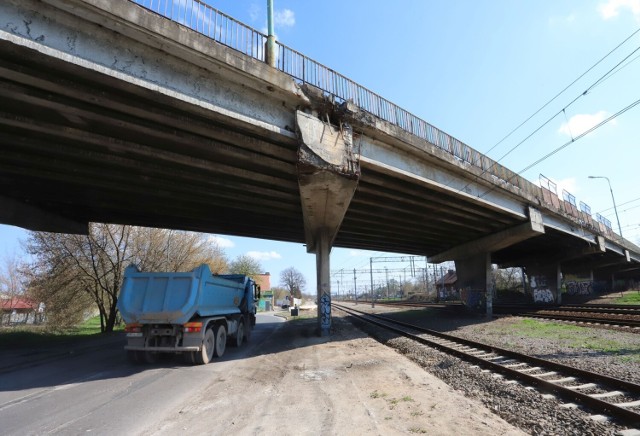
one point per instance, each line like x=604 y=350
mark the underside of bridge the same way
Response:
x=87 y=148
x=153 y=124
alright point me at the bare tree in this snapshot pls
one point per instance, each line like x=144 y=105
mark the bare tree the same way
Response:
x=508 y=278
x=70 y=268
x=174 y=250
x=293 y=281
x=11 y=282
x=279 y=293
x=246 y=265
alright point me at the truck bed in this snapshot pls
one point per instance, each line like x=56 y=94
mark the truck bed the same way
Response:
x=174 y=298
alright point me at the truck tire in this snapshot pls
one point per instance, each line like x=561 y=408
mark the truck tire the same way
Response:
x=221 y=340
x=135 y=356
x=247 y=332
x=240 y=333
x=149 y=357
x=205 y=355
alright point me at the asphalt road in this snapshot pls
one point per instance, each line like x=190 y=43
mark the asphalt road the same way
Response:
x=100 y=392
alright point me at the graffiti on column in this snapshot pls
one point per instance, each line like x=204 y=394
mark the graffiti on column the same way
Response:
x=579 y=287
x=542 y=296
x=325 y=311
x=541 y=291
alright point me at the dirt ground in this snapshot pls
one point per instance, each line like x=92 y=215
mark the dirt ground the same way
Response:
x=297 y=383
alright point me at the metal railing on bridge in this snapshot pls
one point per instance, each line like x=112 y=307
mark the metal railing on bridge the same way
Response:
x=226 y=30
x=230 y=32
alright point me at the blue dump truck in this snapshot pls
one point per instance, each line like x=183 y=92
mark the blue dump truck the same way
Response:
x=189 y=313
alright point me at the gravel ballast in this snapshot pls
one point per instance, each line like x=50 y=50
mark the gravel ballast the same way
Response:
x=521 y=406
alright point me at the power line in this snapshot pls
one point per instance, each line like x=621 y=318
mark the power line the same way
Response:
x=621 y=204
x=563 y=110
x=622 y=211
x=562 y=92
x=583 y=134
x=586 y=91
x=568 y=143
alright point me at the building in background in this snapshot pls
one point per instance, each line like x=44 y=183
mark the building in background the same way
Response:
x=266 y=295
x=446 y=286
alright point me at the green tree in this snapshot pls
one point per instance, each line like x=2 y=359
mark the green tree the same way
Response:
x=246 y=265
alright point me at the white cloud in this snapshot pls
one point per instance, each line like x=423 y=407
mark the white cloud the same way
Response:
x=580 y=123
x=254 y=12
x=356 y=253
x=612 y=8
x=221 y=242
x=284 y=18
x=264 y=255
x=570 y=185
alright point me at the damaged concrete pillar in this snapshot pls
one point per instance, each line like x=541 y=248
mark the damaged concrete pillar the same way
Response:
x=476 y=282
x=328 y=175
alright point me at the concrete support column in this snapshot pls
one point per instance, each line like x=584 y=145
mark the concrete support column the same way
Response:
x=328 y=175
x=323 y=273
x=475 y=281
x=545 y=283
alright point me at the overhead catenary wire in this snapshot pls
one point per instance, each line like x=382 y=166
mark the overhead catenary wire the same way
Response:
x=563 y=110
x=562 y=92
x=568 y=143
x=583 y=134
x=621 y=204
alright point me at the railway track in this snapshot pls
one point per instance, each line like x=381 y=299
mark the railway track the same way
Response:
x=619 y=316
x=634 y=325
x=602 y=395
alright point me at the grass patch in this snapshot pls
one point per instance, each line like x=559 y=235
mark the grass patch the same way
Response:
x=539 y=329
x=629 y=298
x=573 y=337
x=29 y=336
x=376 y=394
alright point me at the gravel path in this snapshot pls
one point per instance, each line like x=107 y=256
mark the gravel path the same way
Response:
x=522 y=407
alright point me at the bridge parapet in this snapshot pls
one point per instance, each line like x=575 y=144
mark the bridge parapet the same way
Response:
x=228 y=31
x=582 y=216
x=222 y=28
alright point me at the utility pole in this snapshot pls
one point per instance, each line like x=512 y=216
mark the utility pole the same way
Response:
x=435 y=285
x=355 y=288
x=386 y=273
x=371 y=277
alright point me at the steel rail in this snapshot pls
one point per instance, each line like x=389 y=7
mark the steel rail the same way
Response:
x=630 y=307
x=619 y=413
x=585 y=319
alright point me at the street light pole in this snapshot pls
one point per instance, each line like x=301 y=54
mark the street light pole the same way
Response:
x=615 y=209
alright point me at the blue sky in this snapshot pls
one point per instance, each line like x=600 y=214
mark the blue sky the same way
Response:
x=476 y=70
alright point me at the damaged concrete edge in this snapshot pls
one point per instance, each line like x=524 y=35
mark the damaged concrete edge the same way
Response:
x=134 y=21
x=328 y=174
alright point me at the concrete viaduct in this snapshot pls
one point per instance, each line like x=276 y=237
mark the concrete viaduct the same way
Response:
x=112 y=112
